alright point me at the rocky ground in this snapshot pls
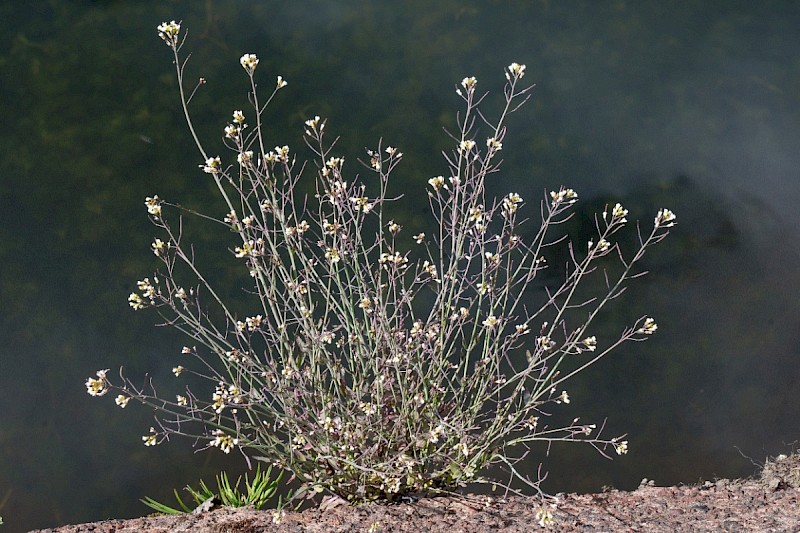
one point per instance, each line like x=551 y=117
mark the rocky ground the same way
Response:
x=767 y=503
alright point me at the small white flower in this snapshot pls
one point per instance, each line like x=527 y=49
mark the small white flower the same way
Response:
x=590 y=343
x=544 y=342
x=249 y=62
x=281 y=82
x=282 y=153
x=97 y=387
x=564 y=397
x=136 y=301
x=466 y=146
x=437 y=183
x=253 y=322
x=515 y=70
x=469 y=83
x=621 y=447
x=222 y=441
x=491 y=321
x=150 y=440
x=245 y=158
x=153 y=205
x=246 y=249
x=327 y=337
x=169 y=31
x=375 y=160
x=461 y=314
x=511 y=203
x=158 y=247
x=419 y=238
x=430 y=269
x=330 y=228
x=602 y=245
x=476 y=214
x=665 y=218
x=178 y=370
x=392 y=259
x=122 y=400
x=649 y=327
x=332 y=255
x=362 y=204
x=148 y=291
x=567 y=196
x=334 y=163
x=212 y=166
x=313 y=123
x=298 y=441
x=618 y=214
x=238 y=117
x=231 y=131
x=493 y=144
x=532 y=422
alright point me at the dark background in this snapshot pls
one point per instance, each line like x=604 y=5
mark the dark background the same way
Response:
x=693 y=106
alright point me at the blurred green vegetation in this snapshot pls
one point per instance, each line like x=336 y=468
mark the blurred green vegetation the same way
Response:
x=648 y=103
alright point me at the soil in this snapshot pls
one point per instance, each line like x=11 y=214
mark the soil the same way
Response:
x=767 y=503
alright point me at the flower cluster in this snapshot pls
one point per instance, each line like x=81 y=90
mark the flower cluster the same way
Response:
x=649 y=327
x=153 y=205
x=213 y=165
x=151 y=439
x=511 y=203
x=665 y=218
x=620 y=447
x=437 y=183
x=515 y=71
x=169 y=32
x=618 y=214
x=148 y=290
x=468 y=83
x=222 y=441
x=563 y=196
x=97 y=386
x=249 y=62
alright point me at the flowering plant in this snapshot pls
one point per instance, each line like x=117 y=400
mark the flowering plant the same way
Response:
x=372 y=363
